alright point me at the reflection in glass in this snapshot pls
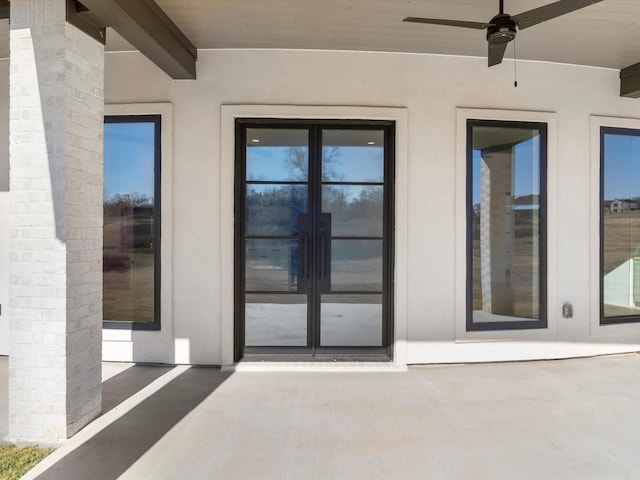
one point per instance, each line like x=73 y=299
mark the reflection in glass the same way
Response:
x=353 y=156
x=505 y=212
x=356 y=265
x=356 y=210
x=271 y=265
x=273 y=209
x=351 y=321
x=275 y=320
x=129 y=244
x=277 y=154
x=621 y=223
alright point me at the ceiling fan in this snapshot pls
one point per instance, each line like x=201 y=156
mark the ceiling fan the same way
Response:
x=503 y=28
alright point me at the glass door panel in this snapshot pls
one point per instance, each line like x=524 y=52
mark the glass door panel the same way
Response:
x=277 y=155
x=273 y=209
x=313 y=239
x=353 y=193
x=271 y=265
x=353 y=156
x=274 y=320
x=275 y=195
x=351 y=320
x=356 y=265
x=357 y=210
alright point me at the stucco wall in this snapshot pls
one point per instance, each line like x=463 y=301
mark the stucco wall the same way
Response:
x=4 y=205
x=432 y=89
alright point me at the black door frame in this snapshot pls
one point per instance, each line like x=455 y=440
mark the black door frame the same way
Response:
x=384 y=353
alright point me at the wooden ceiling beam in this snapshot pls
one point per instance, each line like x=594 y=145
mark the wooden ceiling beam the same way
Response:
x=80 y=17
x=145 y=26
x=4 y=9
x=630 y=81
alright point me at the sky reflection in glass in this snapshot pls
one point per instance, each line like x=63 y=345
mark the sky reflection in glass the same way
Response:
x=129 y=147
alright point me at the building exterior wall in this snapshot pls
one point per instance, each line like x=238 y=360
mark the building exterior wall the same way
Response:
x=431 y=89
x=4 y=206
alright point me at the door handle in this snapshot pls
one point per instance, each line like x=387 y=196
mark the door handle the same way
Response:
x=324 y=252
x=323 y=256
x=304 y=253
x=306 y=257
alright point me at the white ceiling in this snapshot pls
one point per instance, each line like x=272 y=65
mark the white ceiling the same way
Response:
x=606 y=34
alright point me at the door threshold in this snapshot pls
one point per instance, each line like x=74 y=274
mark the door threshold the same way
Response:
x=314 y=366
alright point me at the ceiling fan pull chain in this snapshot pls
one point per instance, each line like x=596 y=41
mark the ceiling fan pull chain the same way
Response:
x=515 y=66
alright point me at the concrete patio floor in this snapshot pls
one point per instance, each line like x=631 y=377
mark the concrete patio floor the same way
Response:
x=571 y=419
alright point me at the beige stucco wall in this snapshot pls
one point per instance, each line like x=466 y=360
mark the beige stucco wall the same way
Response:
x=4 y=205
x=432 y=90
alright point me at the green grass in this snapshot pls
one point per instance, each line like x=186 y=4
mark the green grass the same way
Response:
x=15 y=462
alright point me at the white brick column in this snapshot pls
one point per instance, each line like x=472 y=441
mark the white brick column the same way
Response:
x=496 y=237
x=55 y=215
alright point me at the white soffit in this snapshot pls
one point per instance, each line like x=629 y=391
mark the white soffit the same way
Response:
x=606 y=34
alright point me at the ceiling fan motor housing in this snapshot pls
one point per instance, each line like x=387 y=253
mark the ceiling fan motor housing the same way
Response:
x=502 y=29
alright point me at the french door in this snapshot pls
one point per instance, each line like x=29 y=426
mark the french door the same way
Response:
x=313 y=239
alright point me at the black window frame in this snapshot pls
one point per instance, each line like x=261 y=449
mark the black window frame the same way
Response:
x=542 y=322
x=622 y=318
x=314 y=126
x=156 y=119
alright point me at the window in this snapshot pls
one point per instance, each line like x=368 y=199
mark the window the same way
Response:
x=131 y=239
x=619 y=225
x=506 y=221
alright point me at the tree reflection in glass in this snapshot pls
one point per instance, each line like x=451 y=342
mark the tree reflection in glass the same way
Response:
x=129 y=243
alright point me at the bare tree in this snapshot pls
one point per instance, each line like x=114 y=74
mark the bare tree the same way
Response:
x=297 y=159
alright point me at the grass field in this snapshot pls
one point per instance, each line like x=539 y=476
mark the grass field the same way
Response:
x=622 y=243
x=15 y=462
x=621 y=237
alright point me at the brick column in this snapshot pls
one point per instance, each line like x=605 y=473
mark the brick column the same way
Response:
x=496 y=227
x=55 y=215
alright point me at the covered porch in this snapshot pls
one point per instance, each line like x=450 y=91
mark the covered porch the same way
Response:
x=548 y=419
x=349 y=61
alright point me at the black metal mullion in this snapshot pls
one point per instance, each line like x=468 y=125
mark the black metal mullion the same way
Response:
x=388 y=233
x=354 y=184
x=240 y=242
x=356 y=292
x=267 y=237
x=315 y=208
x=274 y=182
x=271 y=292
x=340 y=237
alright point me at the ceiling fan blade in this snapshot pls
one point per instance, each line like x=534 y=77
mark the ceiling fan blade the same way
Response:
x=547 y=12
x=496 y=52
x=449 y=23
